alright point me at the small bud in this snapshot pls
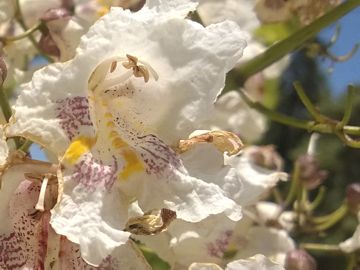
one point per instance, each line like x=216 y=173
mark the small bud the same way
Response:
x=310 y=174
x=299 y=260
x=55 y=14
x=353 y=196
x=3 y=70
x=266 y=156
x=132 y=5
x=48 y=45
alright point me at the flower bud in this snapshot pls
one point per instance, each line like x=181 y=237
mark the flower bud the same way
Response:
x=353 y=196
x=3 y=70
x=132 y=5
x=55 y=14
x=266 y=156
x=299 y=260
x=309 y=172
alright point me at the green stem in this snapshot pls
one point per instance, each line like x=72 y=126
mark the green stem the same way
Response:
x=307 y=103
x=293 y=187
x=318 y=199
x=348 y=107
x=332 y=219
x=320 y=247
x=294 y=41
x=4 y=104
x=24 y=34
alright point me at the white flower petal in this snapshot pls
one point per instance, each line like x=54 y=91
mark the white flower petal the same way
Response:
x=271 y=242
x=353 y=243
x=233 y=114
x=258 y=262
x=256 y=180
x=240 y=11
x=204 y=161
x=4 y=148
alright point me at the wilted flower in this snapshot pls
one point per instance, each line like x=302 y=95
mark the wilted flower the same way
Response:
x=113 y=113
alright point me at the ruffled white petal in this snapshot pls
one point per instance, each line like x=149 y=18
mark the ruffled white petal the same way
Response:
x=256 y=180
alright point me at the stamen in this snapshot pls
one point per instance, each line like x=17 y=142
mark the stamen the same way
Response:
x=41 y=202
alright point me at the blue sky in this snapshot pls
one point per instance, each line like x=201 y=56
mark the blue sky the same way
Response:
x=349 y=71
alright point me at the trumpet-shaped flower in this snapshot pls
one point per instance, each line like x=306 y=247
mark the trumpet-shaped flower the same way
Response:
x=139 y=83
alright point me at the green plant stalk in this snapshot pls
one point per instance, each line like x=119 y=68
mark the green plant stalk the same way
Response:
x=293 y=187
x=338 y=215
x=330 y=216
x=4 y=104
x=294 y=41
x=320 y=247
x=24 y=34
x=348 y=107
x=318 y=199
x=307 y=103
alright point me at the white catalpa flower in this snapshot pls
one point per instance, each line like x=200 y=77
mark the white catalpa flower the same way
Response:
x=111 y=115
x=257 y=262
x=353 y=243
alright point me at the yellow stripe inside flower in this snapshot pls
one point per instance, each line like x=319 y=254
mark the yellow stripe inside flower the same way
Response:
x=133 y=165
x=77 y=148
